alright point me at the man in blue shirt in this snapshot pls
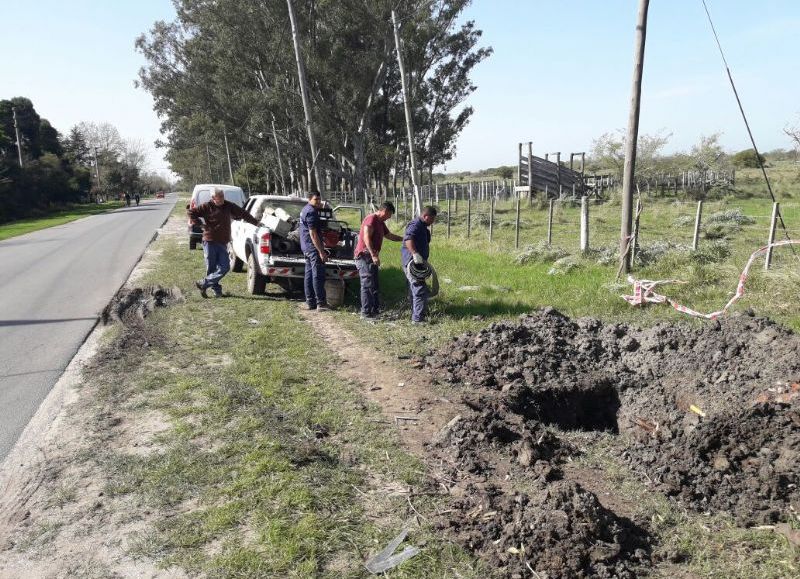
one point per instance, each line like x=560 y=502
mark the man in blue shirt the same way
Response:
x=416 y=247
x=312 y=247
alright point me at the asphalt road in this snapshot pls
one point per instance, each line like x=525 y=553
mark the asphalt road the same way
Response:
x=55 y=283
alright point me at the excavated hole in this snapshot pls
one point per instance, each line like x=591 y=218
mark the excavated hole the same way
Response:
x=587 y=406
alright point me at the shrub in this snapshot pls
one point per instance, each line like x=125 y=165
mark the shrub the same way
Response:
x=730 y=216
x=540 y=253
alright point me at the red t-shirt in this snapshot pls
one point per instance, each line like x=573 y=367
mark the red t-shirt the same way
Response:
x=379 y=229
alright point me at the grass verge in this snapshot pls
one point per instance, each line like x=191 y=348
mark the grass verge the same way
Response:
x=267 y=464
x=60 y=217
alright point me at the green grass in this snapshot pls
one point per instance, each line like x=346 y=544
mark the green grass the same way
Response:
x=505 y=288
x=60 y=217
x=271 y=466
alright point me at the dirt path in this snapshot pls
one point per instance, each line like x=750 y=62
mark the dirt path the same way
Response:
x=398 y=387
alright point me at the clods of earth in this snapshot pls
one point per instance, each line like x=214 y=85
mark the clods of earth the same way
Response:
x=129 y=308
x=707 y=415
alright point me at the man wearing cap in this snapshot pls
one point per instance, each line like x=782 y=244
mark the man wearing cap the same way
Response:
x=416 y=248
x=367 y=254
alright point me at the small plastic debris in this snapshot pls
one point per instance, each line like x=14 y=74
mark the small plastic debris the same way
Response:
x=697 y=411
x=384 y=560
x=253 y=321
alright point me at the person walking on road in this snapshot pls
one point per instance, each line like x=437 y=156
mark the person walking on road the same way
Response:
x=416 y=248
x=218 y=215
x=314 y=251
x=127 y=198
x=136 y=198
x=367 y=255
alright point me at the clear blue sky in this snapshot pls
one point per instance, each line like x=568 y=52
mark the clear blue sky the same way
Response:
x=560 y=74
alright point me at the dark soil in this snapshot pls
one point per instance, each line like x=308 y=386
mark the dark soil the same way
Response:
x=710 y=414
x=561 y=531
x=129 y=308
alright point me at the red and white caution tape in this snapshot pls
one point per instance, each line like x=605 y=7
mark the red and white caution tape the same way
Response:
x=644 y=290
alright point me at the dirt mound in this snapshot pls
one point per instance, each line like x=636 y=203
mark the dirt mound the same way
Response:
x=133 y=305
x=562 y=531
x=495 y=438
x=709 y=411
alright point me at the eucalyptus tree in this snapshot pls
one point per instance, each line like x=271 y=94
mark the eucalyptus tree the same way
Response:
x=227 y=67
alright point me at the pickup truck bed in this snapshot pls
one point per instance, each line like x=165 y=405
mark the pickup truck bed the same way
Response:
x=265 y=252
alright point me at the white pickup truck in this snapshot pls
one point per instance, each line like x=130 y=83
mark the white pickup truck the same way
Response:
x=271 y=249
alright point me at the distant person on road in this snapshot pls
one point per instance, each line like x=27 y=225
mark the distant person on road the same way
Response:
x=416 y=248
x=127 y=199
x=218 y=215
x=314 y=251
x=367 y=254
x=136 y=198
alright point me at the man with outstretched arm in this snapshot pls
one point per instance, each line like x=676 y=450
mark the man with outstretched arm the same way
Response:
x=367 y=255
x=217 y=214
x=314 y=251
x=416 y=248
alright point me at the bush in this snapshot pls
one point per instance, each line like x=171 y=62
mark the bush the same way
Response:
x=747 y=159
x=540 y=253
x=730 y=216
x=721 y=230
x=563 y=266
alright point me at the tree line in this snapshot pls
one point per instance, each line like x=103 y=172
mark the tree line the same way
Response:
x=224 y=80
x=49 y=171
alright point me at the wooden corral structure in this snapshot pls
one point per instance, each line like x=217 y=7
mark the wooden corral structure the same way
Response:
x=541 y=175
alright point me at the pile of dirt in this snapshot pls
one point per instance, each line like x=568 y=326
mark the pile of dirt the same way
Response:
x=708 y=412
x=561 y=531
x=494 y=440
x=131 y=306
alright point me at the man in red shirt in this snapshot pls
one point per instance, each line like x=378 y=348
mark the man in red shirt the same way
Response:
x=367 y=254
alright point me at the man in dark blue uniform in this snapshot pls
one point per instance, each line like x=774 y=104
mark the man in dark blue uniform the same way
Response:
x=314 y=251
x=416 y=247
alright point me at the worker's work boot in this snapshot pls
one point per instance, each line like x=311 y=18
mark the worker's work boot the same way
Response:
x=323 y=307
x=199 y=285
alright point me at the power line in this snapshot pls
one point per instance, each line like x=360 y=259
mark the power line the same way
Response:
x=744 y=117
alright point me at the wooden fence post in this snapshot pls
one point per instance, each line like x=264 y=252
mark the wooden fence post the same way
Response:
x=584 y=223
x=469 y=215
x=448 y=218
x=516 y=233
x=698 y=216
x=491 y=218
x=550 y=223
x=772 y=224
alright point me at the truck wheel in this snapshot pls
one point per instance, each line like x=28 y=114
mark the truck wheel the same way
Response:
x=237 y=265
x=192 y=243
x=256 y=283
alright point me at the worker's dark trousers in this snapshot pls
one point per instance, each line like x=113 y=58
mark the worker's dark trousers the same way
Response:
x=368 y=272
x=314 y=279
x=418 y=294
x=217 y=264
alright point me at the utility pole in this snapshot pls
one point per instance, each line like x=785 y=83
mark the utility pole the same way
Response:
x=407 y=106
x=246 y=172
x=97 y=169
x=301 y=73
x=208 y=157
x=16 y=132
x=633 y=136
x=228 y=153
x=278 y=150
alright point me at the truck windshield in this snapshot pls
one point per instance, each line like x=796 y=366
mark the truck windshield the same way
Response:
x=293 y=209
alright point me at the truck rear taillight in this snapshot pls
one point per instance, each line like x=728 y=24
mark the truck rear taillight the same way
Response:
x=263 y=245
